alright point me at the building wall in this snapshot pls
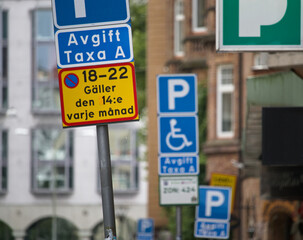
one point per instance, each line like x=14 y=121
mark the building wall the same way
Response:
x=200 y=57
x=158 y=47
x=19 y=206
x=240 y=153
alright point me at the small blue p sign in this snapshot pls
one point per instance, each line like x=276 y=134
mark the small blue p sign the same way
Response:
x=214 y=203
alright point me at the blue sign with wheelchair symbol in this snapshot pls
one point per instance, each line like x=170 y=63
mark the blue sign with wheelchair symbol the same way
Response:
x=178 y=134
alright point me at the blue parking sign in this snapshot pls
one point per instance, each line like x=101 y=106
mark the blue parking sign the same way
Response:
x=178 y=134
x=177 y=94
x=145 y=229
x=214 y=203
x=79 y=13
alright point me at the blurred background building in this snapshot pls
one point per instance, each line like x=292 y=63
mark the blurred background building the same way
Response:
x=49 y=178
x=181 y=39
x=49 y=187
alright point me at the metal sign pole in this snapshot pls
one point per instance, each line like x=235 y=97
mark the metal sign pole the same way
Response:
x=106 y=183
x=179 y=222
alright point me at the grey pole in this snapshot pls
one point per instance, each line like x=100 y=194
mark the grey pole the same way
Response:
x=178 y=223
x=106 y=183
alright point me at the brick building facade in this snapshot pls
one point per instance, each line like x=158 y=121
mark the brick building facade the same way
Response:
x=181 y=39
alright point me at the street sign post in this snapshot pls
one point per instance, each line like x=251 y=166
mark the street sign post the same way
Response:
x=107 y=192
x=99 y=94
x=81 y=13
x=177 y=124
x=94 y=46
x=261 y=25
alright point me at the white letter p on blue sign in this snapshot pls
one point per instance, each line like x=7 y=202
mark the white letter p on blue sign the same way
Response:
x=173 y=93
x=177 y=94
x=214 y=199
x=214 y=203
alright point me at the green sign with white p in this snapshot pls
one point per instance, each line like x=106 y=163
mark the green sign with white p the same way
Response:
x=259 y=25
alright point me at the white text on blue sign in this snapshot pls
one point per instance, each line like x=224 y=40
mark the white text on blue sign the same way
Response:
x=219 y=230
x=94 y=46
x=171 y=165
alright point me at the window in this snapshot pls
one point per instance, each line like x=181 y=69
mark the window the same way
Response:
x=52 y=228
x=225 y=101
x=199 y=17
x=123 y=158
x=3 y=160
x=123 y=148
x=260 y=61
x=179 y=28
x=3 y=59
x=6 y=233
x=45 y=82
x=52 y=156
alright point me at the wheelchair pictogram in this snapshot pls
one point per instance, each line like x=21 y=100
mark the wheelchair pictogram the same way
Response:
x=175 y=133
x=178 y=135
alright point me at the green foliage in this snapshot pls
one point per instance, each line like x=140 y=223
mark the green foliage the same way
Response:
x=202 y=103
x=43 y=230
x=138 y=21
x=6 y=232
x=188 y=212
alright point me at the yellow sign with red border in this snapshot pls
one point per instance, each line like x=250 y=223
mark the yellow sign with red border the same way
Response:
x=98 y=94
x=224 y=180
